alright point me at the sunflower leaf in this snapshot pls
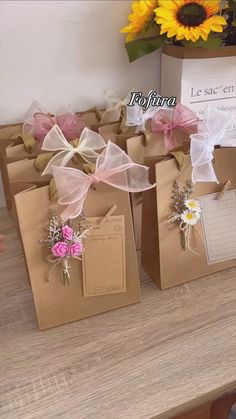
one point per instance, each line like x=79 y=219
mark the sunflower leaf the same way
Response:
x=140 y=47
x=211 y=43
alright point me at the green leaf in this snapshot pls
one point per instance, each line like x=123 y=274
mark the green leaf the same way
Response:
x=211 y=43
x=151 y=29
x=140 y=47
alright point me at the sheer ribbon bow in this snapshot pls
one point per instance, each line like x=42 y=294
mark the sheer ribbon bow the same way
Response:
x=135 y=116
x=37 y=122
x=182 y=118
x=114 y=105
x=113 y=167
x=89 y=143
x=214 y=129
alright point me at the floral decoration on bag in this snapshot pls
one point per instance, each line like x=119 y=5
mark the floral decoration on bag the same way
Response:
x=186 y=212
x=65 y=243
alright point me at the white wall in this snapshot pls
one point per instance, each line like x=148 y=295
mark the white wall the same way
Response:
x=66 y=52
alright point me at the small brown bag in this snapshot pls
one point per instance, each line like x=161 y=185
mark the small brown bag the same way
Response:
x=109 y=258
x=163 y=257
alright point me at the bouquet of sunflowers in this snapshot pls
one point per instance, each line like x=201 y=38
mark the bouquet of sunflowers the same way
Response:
x=187 y=23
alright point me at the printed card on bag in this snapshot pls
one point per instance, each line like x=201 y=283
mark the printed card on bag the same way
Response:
x=219 y=226
x=103 y=261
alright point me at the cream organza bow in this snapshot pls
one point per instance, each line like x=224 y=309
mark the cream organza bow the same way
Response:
x=89 y=143
x=114 y=105
x=113 y=167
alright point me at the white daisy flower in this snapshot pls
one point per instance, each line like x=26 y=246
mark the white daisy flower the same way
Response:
x=193 y=205
x=190 y=217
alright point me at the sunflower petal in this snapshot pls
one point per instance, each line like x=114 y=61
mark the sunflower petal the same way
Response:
x=211 y=6
x=168 y=4
x=171 y=32
x=142 y=11
x=166 y=14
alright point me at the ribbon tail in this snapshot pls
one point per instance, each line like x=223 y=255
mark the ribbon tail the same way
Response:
x=204 y=173
x=170 y=140
x=188 y=233
x=61 y=159
x=73 y=210
x=90 y=156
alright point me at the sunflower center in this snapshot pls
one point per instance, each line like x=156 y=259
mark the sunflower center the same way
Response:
x=191 y=14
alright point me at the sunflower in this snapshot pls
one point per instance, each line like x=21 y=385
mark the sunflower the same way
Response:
x=142 y=12
x=190 y=20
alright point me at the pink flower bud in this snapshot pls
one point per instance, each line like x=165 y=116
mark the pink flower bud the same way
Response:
x=60 y=249
x=67 y=232
x=76 y=249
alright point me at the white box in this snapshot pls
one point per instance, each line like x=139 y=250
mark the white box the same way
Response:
x=199 y=77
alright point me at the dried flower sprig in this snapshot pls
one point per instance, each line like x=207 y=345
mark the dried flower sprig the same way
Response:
x=64 y=243
x=185 y=211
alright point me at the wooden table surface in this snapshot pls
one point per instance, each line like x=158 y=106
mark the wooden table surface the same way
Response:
x=174 y=351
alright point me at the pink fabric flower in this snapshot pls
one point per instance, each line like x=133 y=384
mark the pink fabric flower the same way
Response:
x=60 y=249
x=67 y=232
x=76 y=249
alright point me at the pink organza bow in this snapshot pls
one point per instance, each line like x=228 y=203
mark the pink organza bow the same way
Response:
x=182 y=118
x=38 y=123
x=113 y=167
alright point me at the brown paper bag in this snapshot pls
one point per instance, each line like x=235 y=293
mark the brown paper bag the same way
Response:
x=23 y=171
x=163 y=257
x=13 y=149
x=20 y=172
x=138 y=149
x=115 y=133
x=55 y=302
x=10 y=131
x=7 y=132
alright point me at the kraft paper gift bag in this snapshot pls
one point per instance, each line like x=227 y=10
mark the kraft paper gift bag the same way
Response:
x=187 y=232
x=113 y=133
x=57 y=303
x=10 y=151
x=7 y=132
x=21 y=172
x=10 y=131
x=201 y=77
x=25 y=138
x=107 y=276
x=55 y=150
x=172 y=130
x=138 y=148
x=163 y=256
x=114 y=111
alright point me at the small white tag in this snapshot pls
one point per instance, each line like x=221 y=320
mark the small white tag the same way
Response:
x=219 y=226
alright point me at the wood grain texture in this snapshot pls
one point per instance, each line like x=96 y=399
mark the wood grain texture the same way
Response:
x=174 y=351
x=201 y=412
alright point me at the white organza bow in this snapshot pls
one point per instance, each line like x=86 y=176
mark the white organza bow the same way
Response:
x=214 y=129
x=113 y=167
x=89 y=143
x=135 y=116
x=114 y=105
